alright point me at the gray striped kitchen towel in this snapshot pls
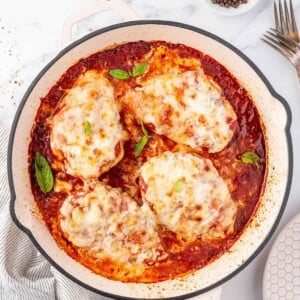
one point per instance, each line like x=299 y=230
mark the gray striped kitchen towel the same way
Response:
x=24 y=273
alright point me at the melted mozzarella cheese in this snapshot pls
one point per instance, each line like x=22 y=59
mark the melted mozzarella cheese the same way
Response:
x=188 y=195
x=86 y=132
x=187 y=107
x=110 y=224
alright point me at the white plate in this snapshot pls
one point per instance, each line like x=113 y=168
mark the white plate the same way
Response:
x=282 y=272
x=231 y=11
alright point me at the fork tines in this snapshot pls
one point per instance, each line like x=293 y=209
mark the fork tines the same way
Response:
x=285 y=45
x=276 y=36
x=286 y=22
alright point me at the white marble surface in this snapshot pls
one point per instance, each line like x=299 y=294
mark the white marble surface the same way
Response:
x=29 y=38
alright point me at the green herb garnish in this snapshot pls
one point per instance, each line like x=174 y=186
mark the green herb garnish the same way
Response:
x=142 y=142
x=87 y=128
x=140 y=69
x=249 y=157
x=123 y=75
x=119 y=74
x=43 y=173
x=178 y=185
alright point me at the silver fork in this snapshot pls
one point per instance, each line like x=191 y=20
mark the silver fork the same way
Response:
x=288 y=47
x=285 y=21
x=285 y=38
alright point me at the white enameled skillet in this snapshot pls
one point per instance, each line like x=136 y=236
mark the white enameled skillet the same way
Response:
x=275 y=116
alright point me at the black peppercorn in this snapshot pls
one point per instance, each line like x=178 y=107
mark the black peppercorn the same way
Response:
x=229 y=3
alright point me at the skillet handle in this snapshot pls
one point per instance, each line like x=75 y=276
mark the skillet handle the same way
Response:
x=100 y=6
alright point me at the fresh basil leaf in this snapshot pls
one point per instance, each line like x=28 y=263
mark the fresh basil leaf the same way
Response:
x=87 y=128
x=142 y=142
x=119 y=74
x=249 y=157
x=140 y=69
x=178 y=186
x=43 y=173
x=140 y=145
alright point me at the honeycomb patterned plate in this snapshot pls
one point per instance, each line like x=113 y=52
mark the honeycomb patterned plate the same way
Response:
x=282 y=272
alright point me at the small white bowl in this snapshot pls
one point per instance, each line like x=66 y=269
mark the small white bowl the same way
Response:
x=231 y=11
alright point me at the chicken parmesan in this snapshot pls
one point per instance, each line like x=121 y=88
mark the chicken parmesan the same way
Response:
x=109 y=226
x=147 y=161
x=188 y=196
x=187 y=107
x=86 y=134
